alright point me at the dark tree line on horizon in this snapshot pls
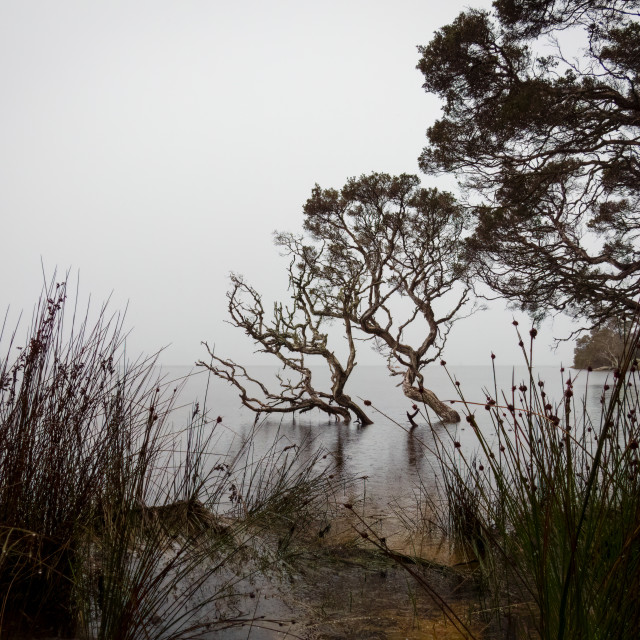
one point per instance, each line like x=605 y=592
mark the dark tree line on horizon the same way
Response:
x=604 y=348
x=540 y=126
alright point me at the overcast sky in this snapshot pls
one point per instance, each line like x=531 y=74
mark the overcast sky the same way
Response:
x=155 y=146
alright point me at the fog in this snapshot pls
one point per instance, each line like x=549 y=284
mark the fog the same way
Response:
x=152 y=147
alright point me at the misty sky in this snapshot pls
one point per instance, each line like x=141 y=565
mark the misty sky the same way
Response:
x=154 y=146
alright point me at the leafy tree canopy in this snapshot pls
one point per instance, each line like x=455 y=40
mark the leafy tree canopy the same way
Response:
x=541 y=124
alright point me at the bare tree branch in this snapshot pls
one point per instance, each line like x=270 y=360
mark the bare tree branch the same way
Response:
x=289 y=336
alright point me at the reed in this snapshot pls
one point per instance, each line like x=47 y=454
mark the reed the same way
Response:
x=547 y=506
x=114 y=522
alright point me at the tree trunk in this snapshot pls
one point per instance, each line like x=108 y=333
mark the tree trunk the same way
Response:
x=339 y=413
x=347 y=402
x=443 y=411
x=339 y=379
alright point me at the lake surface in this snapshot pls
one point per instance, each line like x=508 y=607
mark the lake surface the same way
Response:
x=388 y=458
x=379 y=469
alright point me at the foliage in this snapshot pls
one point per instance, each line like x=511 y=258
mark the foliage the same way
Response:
x=380 y=257
x=601 y=348
x=53 y=463
x=541 y=124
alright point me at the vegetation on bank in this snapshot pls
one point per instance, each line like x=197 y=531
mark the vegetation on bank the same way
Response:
x=602 y=348
x=542 y=508
x=548 y=508
x=116 y=522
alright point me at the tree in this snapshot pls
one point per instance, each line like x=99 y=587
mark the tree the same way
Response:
x=379 y=257
x=602 y=348
x=291 y=335
x=543 y=135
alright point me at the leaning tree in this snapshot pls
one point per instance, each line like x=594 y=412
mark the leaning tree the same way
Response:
x=379 y=259
x=541 y=125
x=382 y=254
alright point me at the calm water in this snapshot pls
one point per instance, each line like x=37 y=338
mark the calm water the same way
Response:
x=388 y=457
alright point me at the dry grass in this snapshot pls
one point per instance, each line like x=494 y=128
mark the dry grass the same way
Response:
x=111 y=518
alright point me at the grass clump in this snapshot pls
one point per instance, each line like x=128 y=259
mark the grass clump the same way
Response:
x=114 y=523
x=547 y=507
